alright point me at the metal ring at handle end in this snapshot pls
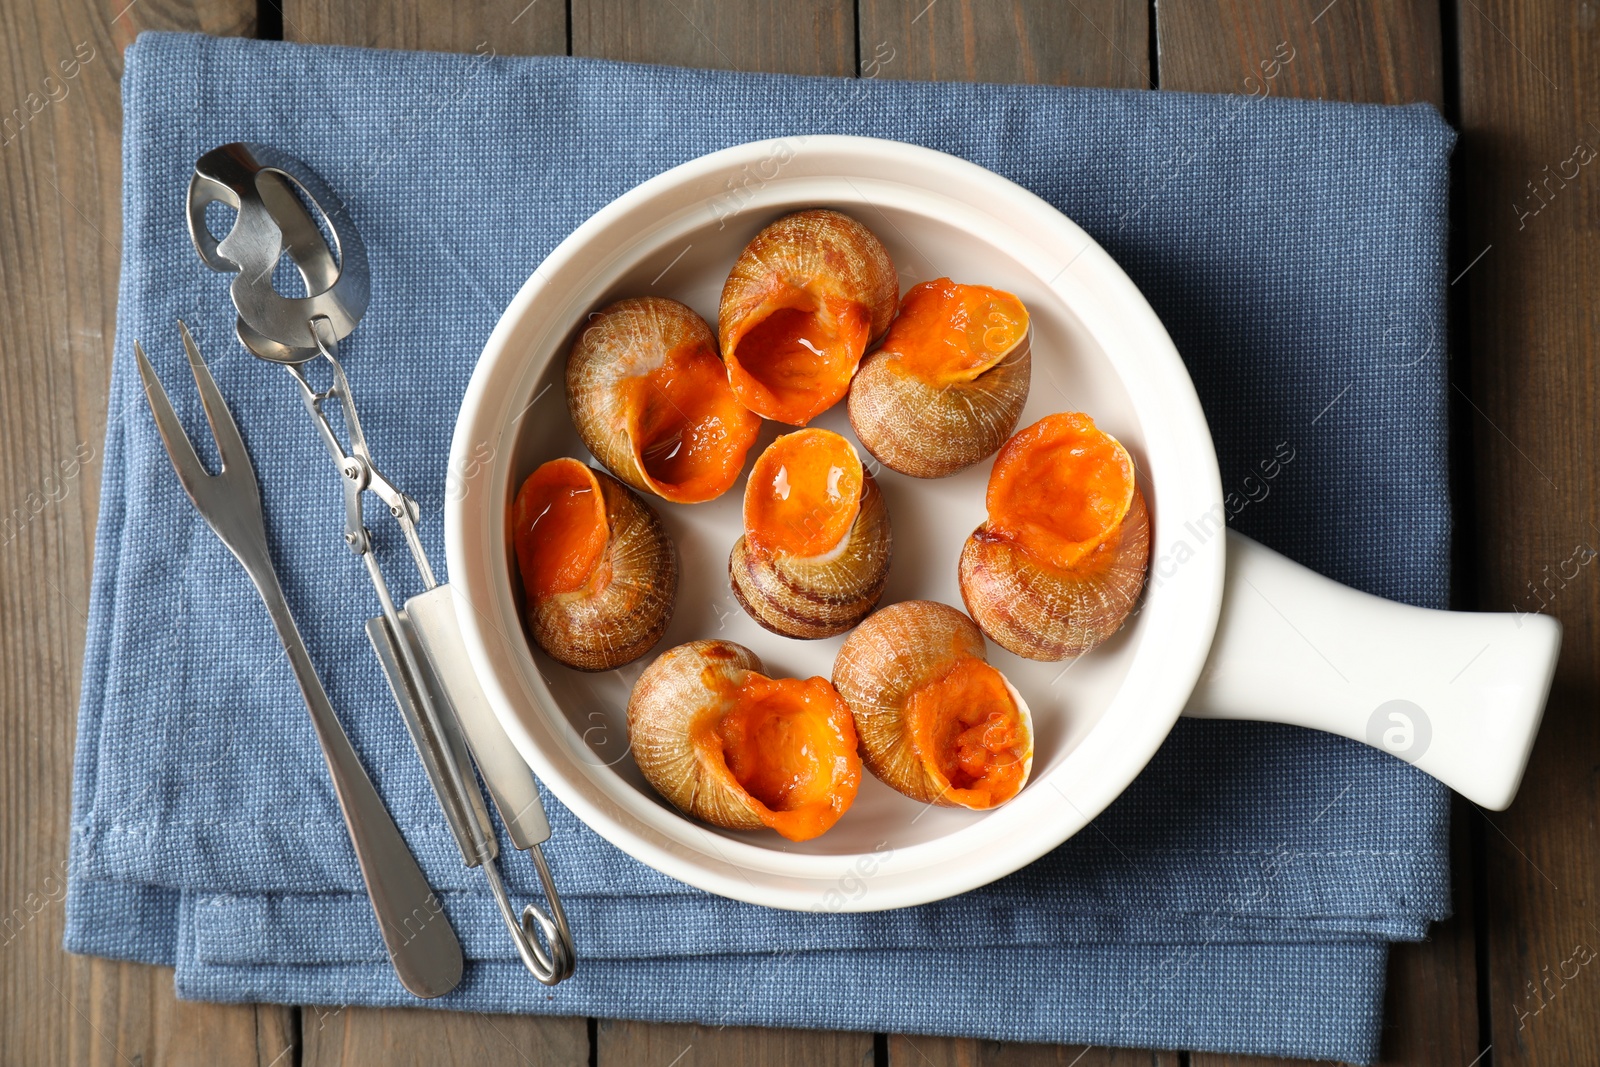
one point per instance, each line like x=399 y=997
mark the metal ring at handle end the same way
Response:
x=551 y=957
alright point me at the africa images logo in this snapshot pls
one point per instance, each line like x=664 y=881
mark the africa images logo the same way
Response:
x=1401 y=728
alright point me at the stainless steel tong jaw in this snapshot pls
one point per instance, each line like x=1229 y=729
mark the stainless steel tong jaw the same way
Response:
x=264 y=186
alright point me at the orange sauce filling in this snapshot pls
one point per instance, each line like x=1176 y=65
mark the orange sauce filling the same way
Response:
x=689 y=431
x=796 y=361
x=559 y=528
x=949 y=332
x=803 y=494
x=791 y=745
x=1059 y=488
x=968 y=729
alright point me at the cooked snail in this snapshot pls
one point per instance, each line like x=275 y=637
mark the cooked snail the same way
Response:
x=946 y=387
x=598 y=569
x=936 y=721
x=651 y=400
x=1061 y=560
x=815 y=552
x=805 y=298
x=725 y=743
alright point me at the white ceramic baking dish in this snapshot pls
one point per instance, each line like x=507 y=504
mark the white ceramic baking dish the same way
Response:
x=1227 y=628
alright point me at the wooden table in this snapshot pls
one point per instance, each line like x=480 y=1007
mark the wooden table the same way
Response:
x=1517 y=77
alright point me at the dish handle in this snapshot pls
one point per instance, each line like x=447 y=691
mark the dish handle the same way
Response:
x=1457 y=694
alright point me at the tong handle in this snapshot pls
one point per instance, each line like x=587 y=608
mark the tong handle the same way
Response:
x=432 y=709
x=436 y=735
x=511 y=784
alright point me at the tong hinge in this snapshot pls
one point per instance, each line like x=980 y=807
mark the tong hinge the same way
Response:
x=358 y=473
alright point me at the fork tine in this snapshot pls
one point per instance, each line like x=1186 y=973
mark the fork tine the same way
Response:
x=179 y=449
x=230 y=446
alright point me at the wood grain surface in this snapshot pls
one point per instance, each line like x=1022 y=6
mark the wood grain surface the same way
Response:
x=421 y=1037
x=1368 y=51
x=618 y=1042
x=504 y=27
x=917 y=1051
x=1530 y=119
x=793 y=37
x=1085 y=42
x=1517 y=76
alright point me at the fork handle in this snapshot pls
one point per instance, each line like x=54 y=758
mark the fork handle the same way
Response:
x=421 y=943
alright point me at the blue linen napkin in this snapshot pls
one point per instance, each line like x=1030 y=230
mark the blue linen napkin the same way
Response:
x=1239 y=897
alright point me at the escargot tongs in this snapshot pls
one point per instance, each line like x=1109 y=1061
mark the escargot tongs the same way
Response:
x=418 y=645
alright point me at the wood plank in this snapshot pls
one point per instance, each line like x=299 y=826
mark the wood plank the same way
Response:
x=909 y=1051
x=793 y=37
x=1530 y=96
x=192 y=1034
x=419 y=1037
x=1380 y=51
x=60 y=238
x=1088 y=42
x=619 y=1043
x=499 y=27
x=1354 y=50
x=126 y=1013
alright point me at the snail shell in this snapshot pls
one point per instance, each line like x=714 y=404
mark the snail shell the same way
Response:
x=810 y=565
x=1059 y=585
x=948 y=384
x=650 y=398
x=936 y=721
x=598 y=569
x=725 y=743
x=804 y=300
